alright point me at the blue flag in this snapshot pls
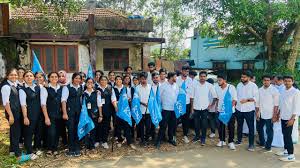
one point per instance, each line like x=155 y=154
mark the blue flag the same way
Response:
x=123 y=108
x=153 y=109
x=226 y=112
x=180 y=105
x=159 y=106
x=36 y=66
x=136 y=107
x=90 y=73
x=85 y=124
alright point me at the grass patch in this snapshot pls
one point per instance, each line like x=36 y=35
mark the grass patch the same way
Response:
x=6 y=161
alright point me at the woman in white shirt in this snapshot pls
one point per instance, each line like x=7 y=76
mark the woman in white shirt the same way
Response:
x=11 y=103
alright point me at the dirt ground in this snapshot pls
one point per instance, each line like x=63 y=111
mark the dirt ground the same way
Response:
x=182 y=156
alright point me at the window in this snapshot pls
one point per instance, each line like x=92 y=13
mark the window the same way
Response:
x=115 y=59
x=219 y=65
x=248 y=65
x=57 y=57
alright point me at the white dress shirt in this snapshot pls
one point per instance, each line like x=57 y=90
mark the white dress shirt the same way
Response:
x=268 y=99
x=149 y=78
x=200 y=93
x=248 y=91
x=5 y=92
x=144 y=93
x=44 y=93
x=289 y=103
x=168 y=94
x=113 y=95
x=23 y=96
x=188 y=87
x=99 y=103
x=154 y=87
x=221 y=94
x=65 y=92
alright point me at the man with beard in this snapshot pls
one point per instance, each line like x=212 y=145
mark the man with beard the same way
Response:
x=289 y=110
x=188 y=88
x=151 y=66
x=247 y=95
x=168 y=93
x=201 y=90
x=221 y=90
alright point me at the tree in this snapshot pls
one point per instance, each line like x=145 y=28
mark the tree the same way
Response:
x=59 y=10
x=246 y=21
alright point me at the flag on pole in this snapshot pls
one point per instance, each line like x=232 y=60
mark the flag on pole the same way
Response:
x=123 y=108
x=180 y=105
x=136 y=108
x=226 y=112
x=90 y=73
x=85 y=124
x=153 y=109
x=36 y=66
x=159 y=106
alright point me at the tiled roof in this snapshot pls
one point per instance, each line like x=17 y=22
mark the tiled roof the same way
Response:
x=33 y=14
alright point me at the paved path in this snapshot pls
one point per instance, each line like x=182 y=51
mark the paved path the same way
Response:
x=205 y=157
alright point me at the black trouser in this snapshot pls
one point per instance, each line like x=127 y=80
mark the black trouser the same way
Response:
x=168 y=120
x=249 y=117
x=287 y=137
x=185 y=119
x=14 y=137
x=132 y=128
x=222 y=130
x=200 y=119
x=90 y=138
x=53 y=134
x=269 y=130
x=212 y=121
x=33 y=129
x=104 y=128
x=123 y=126
x=72 y=125
x=62 y=131
x=144 y=127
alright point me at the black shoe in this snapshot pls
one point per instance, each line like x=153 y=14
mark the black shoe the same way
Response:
x=196 y=139
x=172 y=142
x=77 y=154
x=157 y=145
x=70 y=154
x=238 y=143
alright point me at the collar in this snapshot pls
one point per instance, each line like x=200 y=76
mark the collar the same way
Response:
x=102 y=87
x=118 y=87
x=12 y=83
x=33 y=85
x=55 y=88
x=71 y=84
x=86 y=91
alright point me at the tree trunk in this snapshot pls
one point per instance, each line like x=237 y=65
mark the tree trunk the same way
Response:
x=269 y=43
x=291 y=62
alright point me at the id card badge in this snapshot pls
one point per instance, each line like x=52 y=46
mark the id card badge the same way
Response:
x=89 y=106
x=102 y=101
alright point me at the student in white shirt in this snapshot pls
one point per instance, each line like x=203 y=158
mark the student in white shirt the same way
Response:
x=212 y=115
x=266 y=111
x=247 y=95
x=30 y=100
x=94 y=108
x=151 y=66
x=168 y=93
x=188 y=88
x=221 y=90
x=289 y=110
x=20 y=81
x=162 y=75
x=120 y=124
x=128 y=72
x=11 y=103
x=51 y=107
x=71 y=108
x=200 y=105
x=144 y=126
x=111 y=77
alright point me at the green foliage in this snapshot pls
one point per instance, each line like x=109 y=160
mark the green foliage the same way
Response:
x=171 y=54
x=59 y=10
x=6 y=161
x=8 y=50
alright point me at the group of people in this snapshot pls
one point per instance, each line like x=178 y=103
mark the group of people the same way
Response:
x=44 y=109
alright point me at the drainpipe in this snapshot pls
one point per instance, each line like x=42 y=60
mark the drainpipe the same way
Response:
x=4 y=10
